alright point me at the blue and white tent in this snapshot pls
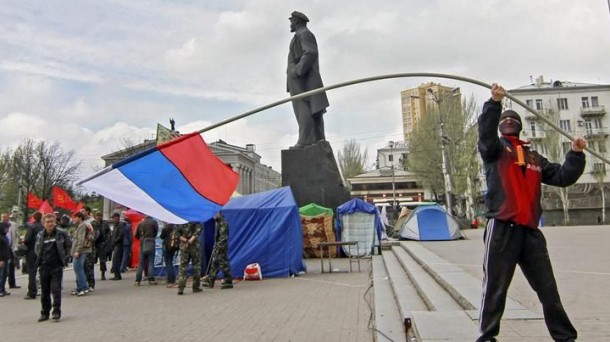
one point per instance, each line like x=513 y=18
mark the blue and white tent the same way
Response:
x=430 y=223
x=359 y=221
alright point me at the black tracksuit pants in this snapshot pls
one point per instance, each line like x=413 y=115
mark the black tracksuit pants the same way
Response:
x=508 y=245
x=50 y=284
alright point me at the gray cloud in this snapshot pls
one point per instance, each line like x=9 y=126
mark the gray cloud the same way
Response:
x=114 y=67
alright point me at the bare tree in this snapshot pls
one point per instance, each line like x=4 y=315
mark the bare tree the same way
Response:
x=555 y=153
x=34 y=167
x=600 y=176
x=352 y=160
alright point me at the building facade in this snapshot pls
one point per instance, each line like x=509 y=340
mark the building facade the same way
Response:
x=580 y=109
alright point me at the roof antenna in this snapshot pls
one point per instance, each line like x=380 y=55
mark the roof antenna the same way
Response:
x=531 y=79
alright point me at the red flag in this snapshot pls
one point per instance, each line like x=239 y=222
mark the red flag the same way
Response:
x=78 y=207
x=46 y=208
x=61 y=199
x=33 y=201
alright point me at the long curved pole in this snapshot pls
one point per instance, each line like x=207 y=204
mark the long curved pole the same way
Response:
x=400 y=75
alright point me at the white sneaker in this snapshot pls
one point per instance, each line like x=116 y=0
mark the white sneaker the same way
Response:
x=81 y=293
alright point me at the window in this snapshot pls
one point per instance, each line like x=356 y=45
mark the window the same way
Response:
x=529 y=103
x=538 y=104
x=566 y=146
x=585 y=102
x=391 y=158
x=599 y=167
x=601 y=147
x=533 y=129
x=594 y=102
x=565 y=125
x=597 y=123
x=562 y=103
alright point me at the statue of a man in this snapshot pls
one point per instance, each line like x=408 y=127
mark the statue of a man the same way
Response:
x=303 y=74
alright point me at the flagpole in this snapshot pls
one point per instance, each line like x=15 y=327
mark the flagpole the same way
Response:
x=399 y=75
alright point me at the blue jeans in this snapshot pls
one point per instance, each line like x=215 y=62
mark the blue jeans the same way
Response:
x=79 y=271
x=168 y=256
x=124 y=261
x=151 y=266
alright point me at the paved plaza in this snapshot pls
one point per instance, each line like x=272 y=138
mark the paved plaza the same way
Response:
x=312 y=307
x=581 y=261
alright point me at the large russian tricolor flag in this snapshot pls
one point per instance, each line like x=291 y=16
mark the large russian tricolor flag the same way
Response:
x=177 y=182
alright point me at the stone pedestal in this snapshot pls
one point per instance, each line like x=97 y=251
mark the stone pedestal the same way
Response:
x=313 y=175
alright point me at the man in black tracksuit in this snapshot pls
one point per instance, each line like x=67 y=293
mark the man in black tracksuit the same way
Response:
x=52 y=250
x=514 y=175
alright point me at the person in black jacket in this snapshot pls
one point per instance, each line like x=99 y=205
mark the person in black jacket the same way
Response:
x=118 y=234
x=30 y=258
x=52 y=249
x=147 y=230
x=514 y=175
x=102 y=233
x=5 y=256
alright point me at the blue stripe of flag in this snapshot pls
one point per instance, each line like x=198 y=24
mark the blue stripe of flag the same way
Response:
x=172 y=190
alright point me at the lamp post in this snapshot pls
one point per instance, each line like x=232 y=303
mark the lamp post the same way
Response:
x=445 y=160
x=391 y=144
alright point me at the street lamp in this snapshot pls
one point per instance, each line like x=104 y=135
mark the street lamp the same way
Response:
x=391 y=144
x=446 y=175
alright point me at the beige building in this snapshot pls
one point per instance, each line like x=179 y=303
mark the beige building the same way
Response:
x=415 y=101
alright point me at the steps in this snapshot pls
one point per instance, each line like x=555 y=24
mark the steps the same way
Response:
x=440 y=299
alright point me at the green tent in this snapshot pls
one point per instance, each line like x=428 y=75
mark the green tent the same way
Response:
x=313 y=209
x=317 y=224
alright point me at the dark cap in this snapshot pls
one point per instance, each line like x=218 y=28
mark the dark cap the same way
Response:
x=511 y=114
x=299 y=15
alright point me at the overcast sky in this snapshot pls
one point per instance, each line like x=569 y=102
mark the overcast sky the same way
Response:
x=92 y=73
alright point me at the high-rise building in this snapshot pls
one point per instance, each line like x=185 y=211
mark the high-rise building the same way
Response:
x=415 y=102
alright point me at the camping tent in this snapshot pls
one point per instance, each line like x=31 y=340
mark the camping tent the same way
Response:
x=265 y=228
x=317 y=224
x=359 y=221
x=429 y=223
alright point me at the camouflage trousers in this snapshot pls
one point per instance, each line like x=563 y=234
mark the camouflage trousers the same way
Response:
x=89 y=268
x=193 y=255
x=220 y=261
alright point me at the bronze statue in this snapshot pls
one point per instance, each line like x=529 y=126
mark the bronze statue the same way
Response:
x=303 y=74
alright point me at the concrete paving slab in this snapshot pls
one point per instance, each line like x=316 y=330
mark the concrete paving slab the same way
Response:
x=444 y=326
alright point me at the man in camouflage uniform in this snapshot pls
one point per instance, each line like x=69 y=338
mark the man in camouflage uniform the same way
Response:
x=220 y=256
x=189 y=251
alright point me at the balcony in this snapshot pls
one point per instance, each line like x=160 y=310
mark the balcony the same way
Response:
x=593 y=112
x=595 y=133
x=529 y=116
x=533 y=135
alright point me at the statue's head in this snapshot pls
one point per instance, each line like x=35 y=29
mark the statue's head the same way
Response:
x=297 y=19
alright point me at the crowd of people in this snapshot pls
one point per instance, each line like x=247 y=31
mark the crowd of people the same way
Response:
x=51 y=243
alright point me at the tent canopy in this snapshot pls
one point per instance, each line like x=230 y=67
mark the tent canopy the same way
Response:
x=265 y=228
x=313 y=209
x=359 y=221
x=429 y=223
